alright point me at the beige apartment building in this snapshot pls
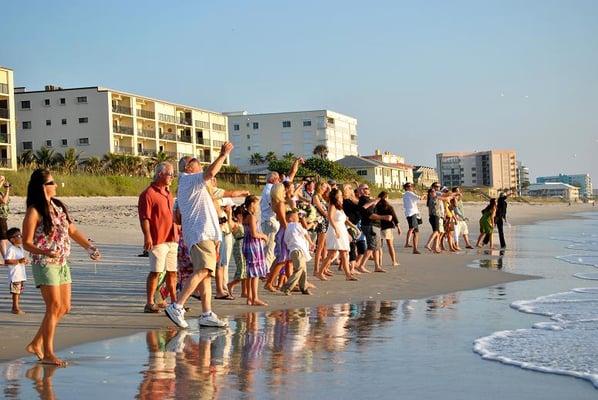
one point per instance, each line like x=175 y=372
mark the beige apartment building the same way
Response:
x=494 y=169
x=96 y=121
x=8 y=152
x=405 y=171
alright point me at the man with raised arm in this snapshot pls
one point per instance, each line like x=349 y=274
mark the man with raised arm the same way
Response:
x=201 y=232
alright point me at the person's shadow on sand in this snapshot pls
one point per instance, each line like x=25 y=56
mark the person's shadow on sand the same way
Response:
x=41 y=375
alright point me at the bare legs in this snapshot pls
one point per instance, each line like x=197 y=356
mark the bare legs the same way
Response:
x=391 y=251
x=319 y=253
x=253 y=297
x=151 y=286
x=202 y=279
x=58 y=303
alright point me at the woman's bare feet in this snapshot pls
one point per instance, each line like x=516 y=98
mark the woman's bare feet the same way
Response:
x=351 y=278
x=322 y=277
x=17 y=311
x=249 y=302
x=36 y=351
x=364 y=270
x=328 y=273
x=380 y=270
x=53 y=360
x=271 y=288
x=259 y=303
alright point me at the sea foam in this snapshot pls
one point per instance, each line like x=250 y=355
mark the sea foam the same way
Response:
x=566 y=345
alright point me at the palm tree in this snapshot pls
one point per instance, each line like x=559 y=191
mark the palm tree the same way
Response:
x=321 y=151
x=288 y=156
x=44 y=157
x=256 y=159
x=270 y=156
x=69 y=161
x=26 y=160
x=93 y=165
x=161 y=157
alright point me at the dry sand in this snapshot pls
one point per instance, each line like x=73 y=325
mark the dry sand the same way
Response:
x=108 y=298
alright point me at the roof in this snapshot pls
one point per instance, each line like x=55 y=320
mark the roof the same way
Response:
x=424 y=166
x=362 y=162
x=105 y=89
x=550 y=185
x=248 y=114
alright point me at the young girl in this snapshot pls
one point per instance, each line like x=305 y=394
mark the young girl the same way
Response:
x=238 y=234
x=487 y=224
x=253 y=250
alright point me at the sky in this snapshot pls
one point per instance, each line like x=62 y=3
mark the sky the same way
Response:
x=420 y=77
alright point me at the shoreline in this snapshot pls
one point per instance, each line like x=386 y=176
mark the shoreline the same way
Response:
x=114 y=307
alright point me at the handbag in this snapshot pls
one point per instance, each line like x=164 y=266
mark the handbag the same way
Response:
x=354 y=232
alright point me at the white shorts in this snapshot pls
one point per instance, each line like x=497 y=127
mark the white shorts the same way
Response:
x=386 y=234
x=163 y=257
x=463 y=229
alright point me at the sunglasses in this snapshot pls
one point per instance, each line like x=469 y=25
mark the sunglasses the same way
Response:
x=18 y=235
x=49 y=183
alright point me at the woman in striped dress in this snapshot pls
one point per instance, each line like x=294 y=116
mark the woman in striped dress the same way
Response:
x=253 y=250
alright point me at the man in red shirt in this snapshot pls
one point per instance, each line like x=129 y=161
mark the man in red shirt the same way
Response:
x=160 y=237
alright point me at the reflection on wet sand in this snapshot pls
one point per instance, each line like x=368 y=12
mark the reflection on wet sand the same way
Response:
x=259 y=353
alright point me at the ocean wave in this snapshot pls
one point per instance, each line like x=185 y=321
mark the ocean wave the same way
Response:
x=566 y=345
x=580 y=259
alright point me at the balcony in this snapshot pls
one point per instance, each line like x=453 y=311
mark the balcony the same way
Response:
x=125 y=130
x=217 y=143
x=123 y=150
x=147 y=153
x=146 y=114
x=167 y=118
x=184 y=121
x=4 y=113
x=204 y=141
x=122 y=109
x=171 y=154
x=185 y=138
x=3 y=88
x=148 y=133
x=4 y=138
x=168 y=136
x=202 y=124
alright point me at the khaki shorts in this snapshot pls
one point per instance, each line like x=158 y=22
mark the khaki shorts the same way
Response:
x=463 y=228
x=17 y=287
x=163 y=257
x=203 y=256
x=386 y=234
x=298 y=260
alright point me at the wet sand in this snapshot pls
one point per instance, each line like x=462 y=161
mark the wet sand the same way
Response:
x=108 y=298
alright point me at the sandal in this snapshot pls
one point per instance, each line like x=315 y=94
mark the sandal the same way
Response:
x=225 y=297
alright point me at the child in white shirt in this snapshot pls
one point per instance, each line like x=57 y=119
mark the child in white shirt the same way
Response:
x=298 y=242
x=16 y=261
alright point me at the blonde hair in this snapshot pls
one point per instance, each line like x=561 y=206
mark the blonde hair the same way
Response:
x=277 y=194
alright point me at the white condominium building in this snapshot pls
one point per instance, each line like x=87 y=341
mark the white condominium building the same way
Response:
x=8 y=152
x=495 y=169
x=96 y=121
x=297 y=132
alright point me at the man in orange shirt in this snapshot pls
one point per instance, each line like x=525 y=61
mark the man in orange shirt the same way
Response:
x=160 y=237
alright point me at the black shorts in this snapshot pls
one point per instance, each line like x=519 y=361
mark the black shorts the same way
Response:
x=435 y=223
x=373 y=243
x=413 y=223
x=361 y=246
x=3 y=229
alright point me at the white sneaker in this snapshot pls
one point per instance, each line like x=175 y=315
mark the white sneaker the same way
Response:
x=177 y=343
x=211 y=320
x=176 y=315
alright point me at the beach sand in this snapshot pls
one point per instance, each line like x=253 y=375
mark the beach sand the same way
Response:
x=108 y=298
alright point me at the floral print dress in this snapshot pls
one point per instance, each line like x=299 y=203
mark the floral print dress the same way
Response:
x=58 y=240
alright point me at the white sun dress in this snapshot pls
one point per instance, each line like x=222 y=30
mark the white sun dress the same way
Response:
x=342 y=242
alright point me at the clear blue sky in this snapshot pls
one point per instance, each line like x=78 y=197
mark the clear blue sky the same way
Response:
x=420 y=77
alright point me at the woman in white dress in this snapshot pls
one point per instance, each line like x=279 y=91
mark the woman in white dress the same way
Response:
x=337 y=236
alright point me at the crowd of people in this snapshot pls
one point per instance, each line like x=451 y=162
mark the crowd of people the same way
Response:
x=271 y=238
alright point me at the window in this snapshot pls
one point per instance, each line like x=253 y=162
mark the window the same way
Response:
x=62 y=101
x=26 y=105
x=64 y=142
x=248 y=136
x=48 y=143
x=82 y=99
x=256 y=125
x=48 y=122
x=46 y=102
x=307 y=123
x=362 y=172
x=247 y=125
x=235 y=127
x=83 y=120
x=248 y=148
x=286 y=124
x=26 y=124
x=27 y=145
x=83 y=141
x=64 y=121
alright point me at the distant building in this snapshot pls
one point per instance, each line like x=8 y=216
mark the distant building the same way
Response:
x=424 y=176
x=494 y=169
x=97 y=121
x=522 y=178
x=595 y=192
x=296 y=132
x=387 y=176
x=554 y=189
x=8 y=149
x=582 y=181
x=405 y=170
